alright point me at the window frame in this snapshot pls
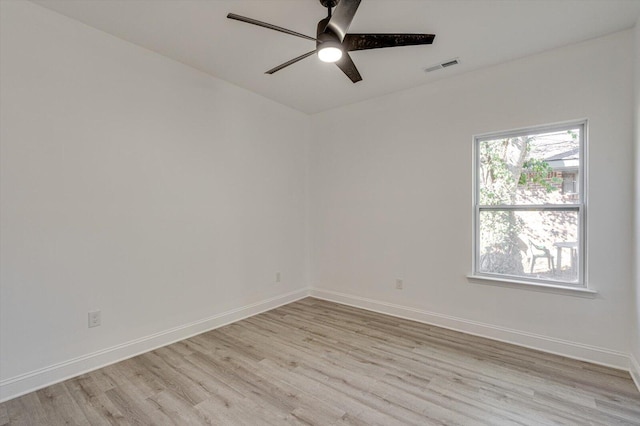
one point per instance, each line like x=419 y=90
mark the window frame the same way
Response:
x=580 y=207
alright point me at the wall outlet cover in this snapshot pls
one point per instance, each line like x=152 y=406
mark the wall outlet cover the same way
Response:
x=95 y=319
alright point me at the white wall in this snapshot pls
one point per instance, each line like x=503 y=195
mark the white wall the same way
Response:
x=635 y=337
x=138 y=186
x=391 y=184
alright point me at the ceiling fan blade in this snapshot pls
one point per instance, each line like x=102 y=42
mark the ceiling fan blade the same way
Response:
x=293 y=61
x=342 y=16
x=265 y=25
x=378 y=41
x=349 y=68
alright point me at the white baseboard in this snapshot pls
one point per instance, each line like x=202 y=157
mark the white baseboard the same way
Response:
x=28 y=382
x=552 y=345
x=634 y=370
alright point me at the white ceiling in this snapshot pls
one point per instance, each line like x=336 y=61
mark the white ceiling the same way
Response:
x=478 y=32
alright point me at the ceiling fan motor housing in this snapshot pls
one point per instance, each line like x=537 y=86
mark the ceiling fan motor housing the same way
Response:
x=325 y=35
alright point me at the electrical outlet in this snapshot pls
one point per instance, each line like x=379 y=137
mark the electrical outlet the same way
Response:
x=399 y=284
x=278 y=277
x=95 y=319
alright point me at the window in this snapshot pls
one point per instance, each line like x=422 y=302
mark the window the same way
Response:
x=569 y=183
x=529 y=205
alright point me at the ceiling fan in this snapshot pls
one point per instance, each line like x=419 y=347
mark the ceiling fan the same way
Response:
x=333 y=43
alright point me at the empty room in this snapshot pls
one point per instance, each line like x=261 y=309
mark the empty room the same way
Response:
x=324 y=212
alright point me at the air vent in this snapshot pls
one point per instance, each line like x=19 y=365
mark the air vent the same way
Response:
x=446 y=64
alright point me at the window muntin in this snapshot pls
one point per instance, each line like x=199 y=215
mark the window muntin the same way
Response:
x=529 y=205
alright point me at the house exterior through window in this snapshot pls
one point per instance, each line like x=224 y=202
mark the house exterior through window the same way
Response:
x=529 y=205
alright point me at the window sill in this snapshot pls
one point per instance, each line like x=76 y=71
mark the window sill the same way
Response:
x=528 y=285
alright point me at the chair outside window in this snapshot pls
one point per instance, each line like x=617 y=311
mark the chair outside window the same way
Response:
x=540 y=252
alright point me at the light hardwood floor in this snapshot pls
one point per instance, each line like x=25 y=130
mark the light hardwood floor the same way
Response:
x=321 y=363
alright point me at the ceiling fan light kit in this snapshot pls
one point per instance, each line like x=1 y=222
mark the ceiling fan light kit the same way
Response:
x=330 y=53
x=333 y=43
x=328 y=46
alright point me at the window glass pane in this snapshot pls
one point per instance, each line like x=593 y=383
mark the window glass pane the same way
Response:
x=530 y=169
x=530 y=244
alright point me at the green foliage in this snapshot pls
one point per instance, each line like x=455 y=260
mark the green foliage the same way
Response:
x=500 y=232
x=537 y=171
x=501 y=163
x=498 y=183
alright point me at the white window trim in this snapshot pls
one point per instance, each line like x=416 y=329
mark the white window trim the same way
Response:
x=503 y=279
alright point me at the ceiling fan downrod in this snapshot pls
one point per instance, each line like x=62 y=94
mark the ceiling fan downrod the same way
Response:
x=329 y=4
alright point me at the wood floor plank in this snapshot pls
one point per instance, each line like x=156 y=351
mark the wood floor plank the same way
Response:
x=59 y=406
x=315 y=362
x=174 y=381
x=26 y=410
x=93 y=403
x=135 y=407
x=178 y=409
x=4 y=415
